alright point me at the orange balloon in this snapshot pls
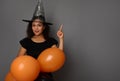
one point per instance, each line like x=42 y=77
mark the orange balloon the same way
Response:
x=9 y=77
x=51 y=59
x=25 y=68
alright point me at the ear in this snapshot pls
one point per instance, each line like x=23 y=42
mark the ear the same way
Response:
x=43 y=27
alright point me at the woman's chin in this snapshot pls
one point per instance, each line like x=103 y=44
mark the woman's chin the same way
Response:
x=37 y=34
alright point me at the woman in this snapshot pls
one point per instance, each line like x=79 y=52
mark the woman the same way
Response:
x=37 y=40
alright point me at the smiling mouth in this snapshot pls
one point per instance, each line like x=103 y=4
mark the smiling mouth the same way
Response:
x=36 y=31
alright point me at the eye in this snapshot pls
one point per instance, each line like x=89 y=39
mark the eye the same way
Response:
x=39 y=25
x=33 y=25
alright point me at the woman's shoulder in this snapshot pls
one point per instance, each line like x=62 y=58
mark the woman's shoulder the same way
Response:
x=25 y=39
x=52 y=40
x=25 y=42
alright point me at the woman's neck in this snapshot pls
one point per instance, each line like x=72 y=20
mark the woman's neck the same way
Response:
x=38 y=38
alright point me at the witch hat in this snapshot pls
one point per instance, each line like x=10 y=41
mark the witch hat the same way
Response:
x=39 y=14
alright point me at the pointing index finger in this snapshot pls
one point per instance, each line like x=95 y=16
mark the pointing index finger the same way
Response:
x=61 y=27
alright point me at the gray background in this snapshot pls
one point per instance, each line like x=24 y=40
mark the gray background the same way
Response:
x=91 y=29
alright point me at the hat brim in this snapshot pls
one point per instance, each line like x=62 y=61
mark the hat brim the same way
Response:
x=32 y=21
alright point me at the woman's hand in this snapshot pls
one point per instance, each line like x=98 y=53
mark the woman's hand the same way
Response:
x=60 y=36
x=60 y=33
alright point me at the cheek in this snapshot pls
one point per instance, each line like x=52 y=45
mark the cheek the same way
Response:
x=41 y=28
x=33 y=28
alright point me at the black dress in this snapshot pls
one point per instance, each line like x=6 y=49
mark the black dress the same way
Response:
x=34 y=49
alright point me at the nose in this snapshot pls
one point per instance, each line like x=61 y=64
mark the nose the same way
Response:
x=36 y=27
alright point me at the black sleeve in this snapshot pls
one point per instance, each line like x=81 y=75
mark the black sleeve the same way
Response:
x=53 y=41
x=23 y=43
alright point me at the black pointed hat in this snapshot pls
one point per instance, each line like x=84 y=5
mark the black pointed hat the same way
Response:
x=39 y=13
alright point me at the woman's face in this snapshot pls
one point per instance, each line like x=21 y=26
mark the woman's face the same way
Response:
x=37 y=27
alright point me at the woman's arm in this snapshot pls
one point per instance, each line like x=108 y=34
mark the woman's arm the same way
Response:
x=61 y=37
x=22 y=51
